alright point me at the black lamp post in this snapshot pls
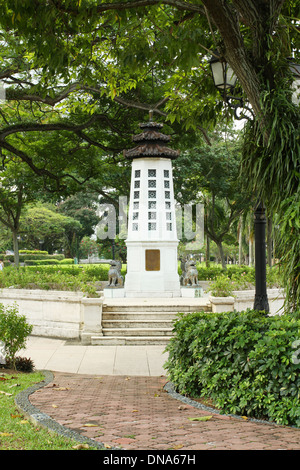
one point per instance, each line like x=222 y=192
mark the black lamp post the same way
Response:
x=261 y=297
x=225 y=80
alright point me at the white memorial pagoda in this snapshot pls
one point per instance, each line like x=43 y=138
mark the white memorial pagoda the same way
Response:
x=152 y=266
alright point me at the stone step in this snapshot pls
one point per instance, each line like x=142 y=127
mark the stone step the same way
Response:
x=147 y=316
x=156 y=308
x=133 y=323
x=129 y=340
x=137 y=331
x=142 y=322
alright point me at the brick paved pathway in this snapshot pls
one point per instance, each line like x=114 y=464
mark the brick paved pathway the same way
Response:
x=136 y=413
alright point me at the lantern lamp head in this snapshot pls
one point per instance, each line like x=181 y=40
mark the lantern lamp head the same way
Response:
x=223 y=75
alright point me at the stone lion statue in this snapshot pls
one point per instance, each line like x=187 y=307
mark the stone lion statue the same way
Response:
x=190 y=274
x=114 y=274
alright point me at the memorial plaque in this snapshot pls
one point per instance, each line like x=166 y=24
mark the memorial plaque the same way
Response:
x=152 y=260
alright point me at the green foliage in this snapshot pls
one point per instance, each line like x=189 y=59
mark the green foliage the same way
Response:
x=271 y=162
x=35 y=256
x=241 y=276
x=14 y=330
x=88 y=247
x=289 y=249
x=222 y=287
x=70 y=277
x=243 y=361
x=43 y=222
x=22 y=364
x=33 y=252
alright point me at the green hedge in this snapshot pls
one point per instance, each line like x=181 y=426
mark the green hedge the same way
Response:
x=211 y=273
x=39 y=262
x=88 y=272
x=33 y=252
x=247 y=363
x=48 y=262
x=59 y=276
x=32 y=256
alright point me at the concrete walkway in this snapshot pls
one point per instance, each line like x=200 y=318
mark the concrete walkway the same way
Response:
x=120 y=398
x=67 y=356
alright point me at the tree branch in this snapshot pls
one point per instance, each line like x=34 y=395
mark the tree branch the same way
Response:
x=25 y=158
x=56 y=126
x=27 y=96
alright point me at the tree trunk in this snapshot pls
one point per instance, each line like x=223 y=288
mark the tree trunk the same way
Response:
x=220 y=247
x=241 y=240
x=16 y=247
x=250 y=247
x=269 y=242
x=207 y=255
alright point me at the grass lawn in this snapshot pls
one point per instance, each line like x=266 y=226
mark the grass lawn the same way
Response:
x=16 y=431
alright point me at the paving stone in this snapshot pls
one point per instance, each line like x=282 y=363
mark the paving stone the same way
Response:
x=119 y=407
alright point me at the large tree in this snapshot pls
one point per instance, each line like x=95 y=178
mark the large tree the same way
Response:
x=18 y=188
x=107 y=49
x=210 y=174
x=43 y=227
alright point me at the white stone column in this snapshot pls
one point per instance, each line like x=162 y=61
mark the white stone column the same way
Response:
x=152 y=266
x=91 y=318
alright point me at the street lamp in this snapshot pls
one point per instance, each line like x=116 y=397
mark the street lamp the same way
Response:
x=294 y=68
x=223 y=75
x=225 y=80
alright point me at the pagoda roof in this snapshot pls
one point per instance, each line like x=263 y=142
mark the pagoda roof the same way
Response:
x=151 y=143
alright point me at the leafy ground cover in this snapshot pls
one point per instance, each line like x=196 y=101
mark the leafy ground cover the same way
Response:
x=245 y=362
x=88 y=278
x=16 y=431
x=63 y=277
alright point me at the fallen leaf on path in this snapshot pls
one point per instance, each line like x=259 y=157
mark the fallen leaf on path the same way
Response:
x=201 y=418
x=179 y=446
x=89 y=425
x=5 y=393
x=80 y=446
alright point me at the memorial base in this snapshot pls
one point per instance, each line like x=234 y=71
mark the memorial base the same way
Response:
x=192 y=291
x=113 y=292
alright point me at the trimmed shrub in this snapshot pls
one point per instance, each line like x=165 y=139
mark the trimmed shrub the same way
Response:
x=243 y=361
x=44 y=262
x=22 y=364
x=33 y=252
x=13 y=331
